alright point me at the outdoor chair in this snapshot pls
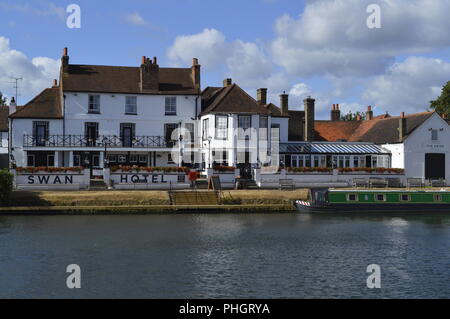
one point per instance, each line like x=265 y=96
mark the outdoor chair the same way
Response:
x=414 y=182
x=376 y=182
x=359 y=182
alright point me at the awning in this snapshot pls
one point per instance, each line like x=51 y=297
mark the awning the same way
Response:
x=331 y=148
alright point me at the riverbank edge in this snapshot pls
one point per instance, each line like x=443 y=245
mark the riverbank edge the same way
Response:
x=145 y=210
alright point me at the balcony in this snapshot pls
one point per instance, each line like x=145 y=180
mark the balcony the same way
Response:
x=111 y=141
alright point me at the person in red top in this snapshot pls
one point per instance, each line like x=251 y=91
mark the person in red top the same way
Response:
x=193 y=177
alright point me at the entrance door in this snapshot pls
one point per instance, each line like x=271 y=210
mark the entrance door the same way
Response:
x=434 y=166
x=246 y=167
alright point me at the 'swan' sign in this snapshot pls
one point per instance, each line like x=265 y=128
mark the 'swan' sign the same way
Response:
x=50 y=180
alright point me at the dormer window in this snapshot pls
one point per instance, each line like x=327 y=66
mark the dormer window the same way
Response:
x=94 y=104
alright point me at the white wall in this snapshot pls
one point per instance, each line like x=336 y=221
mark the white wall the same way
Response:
x=398 y=154
x=150 y=118
x=21 y=127
x=419 y=143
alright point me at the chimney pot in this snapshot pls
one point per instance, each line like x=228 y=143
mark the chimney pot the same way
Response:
x=55 y=83
x=194 y=61
x=65 y=52
x=261 y=96
x=155 y=60
x=403 y=114
x=144 y=59
x=227 y=82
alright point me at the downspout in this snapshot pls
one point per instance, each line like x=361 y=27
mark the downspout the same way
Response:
x=10 y=142
x=64 y=129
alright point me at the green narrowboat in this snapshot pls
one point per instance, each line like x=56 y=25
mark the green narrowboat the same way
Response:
x=375 y=200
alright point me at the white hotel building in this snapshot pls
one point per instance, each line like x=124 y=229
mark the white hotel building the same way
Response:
x=123 y=114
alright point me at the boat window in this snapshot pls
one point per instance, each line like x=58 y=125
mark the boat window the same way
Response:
x=405 y=197
x=380 y=197
x=437 y=197
x=352 y=197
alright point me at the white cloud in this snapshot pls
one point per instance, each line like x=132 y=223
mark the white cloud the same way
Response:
x=136 y=19
x=408 y=86
x=208 y=46
x=331 y=37
x=246 y=62
x=37 y=73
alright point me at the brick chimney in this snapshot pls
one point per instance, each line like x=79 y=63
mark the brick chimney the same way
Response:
x=65 y=61
x=309 y=119
x=369 y=113
x=335 y=113
x=261 y=96
x=402 y=127
x=195 y=74
x=149 y=74
x=227 y=82
x=284 y=104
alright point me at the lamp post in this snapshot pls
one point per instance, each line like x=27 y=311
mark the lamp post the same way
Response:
x=105 y=159
x=209 y=151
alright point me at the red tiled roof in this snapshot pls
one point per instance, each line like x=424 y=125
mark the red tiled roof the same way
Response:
x=382 y=129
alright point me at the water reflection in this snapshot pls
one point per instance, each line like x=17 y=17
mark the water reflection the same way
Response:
x=225 y=256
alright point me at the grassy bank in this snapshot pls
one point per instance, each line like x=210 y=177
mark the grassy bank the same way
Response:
x=144 y=198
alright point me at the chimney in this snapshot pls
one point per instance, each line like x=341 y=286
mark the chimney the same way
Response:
x=65 y=61
x=369 y=113
x=284 y=104
x=149 y=74
x=308 y=134
x=55 y=83
x=195 y=74
x=358 y=117
x=12 y=106
x=261 y=96
x=335 y=113
x=402 y=127
x=444 y=116
x=227 y=82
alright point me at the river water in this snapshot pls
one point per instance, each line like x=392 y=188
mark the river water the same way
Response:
x=225 y=256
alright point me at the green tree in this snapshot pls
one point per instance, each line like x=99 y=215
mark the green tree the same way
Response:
x=442 y=103
x=353 y=116
x=2 y=99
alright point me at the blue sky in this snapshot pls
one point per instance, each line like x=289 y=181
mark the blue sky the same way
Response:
x=321 y=48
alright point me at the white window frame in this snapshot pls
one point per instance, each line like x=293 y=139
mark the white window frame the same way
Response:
x=263 y=127
x=170 y=105
x=244 y=126
x=131 y=105
x=221 y=132
x=94 y=103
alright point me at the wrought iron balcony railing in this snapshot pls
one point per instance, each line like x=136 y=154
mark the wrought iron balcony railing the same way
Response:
x=111 y=141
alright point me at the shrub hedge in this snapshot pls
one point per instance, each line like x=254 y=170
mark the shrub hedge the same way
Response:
x=6 y=186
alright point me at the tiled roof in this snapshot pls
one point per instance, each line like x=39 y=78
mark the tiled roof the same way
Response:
x=379 y=130
x=46 y=105
x=333 y=131
x=121 y=79
x=231 y=99
x=4 y=112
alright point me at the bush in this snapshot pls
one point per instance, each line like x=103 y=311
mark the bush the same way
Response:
x=6 y=185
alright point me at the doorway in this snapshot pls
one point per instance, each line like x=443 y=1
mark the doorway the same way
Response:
x=434 y=166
